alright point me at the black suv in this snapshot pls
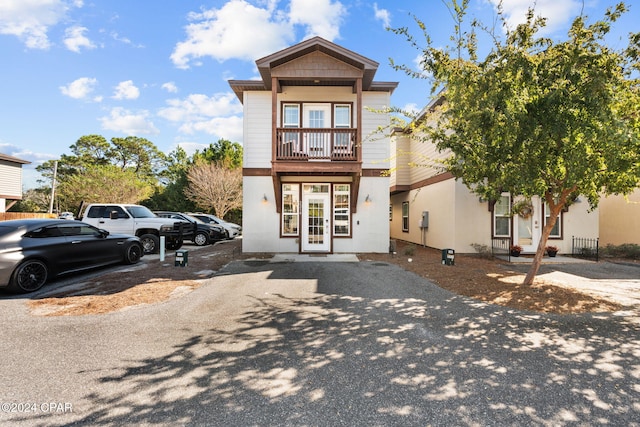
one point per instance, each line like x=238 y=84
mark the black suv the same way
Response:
x=204 y=234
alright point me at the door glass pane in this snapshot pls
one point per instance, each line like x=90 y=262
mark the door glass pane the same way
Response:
x=316 y=222
x=525 y=227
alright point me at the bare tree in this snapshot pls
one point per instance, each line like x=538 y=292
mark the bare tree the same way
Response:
x=212 y=186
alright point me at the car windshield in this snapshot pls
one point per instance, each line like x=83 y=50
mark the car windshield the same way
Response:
x=192 y=218
x=140 y=212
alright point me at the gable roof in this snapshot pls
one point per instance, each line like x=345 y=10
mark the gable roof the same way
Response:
x=353 y=66
x=12 y=159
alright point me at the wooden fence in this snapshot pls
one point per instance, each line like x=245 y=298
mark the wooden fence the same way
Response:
x=5 y=216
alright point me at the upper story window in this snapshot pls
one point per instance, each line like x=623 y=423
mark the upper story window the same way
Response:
x=291 y=116
x=342 y=116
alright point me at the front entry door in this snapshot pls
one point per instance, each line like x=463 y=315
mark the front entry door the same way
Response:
x=528 y=227
x=316 y=224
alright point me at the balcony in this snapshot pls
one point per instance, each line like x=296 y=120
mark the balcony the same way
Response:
x=312 y=144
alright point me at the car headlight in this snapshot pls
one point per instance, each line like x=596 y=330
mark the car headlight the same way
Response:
x=166 y=228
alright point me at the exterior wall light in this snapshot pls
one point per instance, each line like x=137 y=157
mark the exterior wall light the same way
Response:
x=264 y=199
x=368 y=199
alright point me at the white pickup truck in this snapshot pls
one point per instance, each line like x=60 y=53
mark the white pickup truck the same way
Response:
x=138 y=221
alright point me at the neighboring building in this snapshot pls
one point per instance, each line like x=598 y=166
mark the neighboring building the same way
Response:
x=458 y=219
x=10 y=180
x=620 y=219
x=313 y=172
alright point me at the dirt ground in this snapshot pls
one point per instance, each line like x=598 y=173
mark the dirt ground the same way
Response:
x=151 y=282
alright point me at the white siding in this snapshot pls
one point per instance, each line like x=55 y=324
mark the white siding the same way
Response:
x=257 y=130
x=10 y=179
x=375 y=143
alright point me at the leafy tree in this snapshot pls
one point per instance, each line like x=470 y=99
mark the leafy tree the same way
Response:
x=224 y=152
x=173 y=181
x=537 y=117
x=137 y=154
x=213 y=186
x=106 y=184
x=33 y=200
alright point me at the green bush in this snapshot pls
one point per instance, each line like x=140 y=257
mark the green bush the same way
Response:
x=626 y=250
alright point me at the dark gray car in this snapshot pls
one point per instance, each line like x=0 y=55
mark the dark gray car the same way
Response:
x=33 y=251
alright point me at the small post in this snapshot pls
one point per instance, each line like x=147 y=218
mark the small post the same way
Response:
x=162 y=239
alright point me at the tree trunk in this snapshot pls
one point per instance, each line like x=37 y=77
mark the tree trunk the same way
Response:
x=554 y=207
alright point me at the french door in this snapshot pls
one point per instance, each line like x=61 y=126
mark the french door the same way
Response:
x=316 y=224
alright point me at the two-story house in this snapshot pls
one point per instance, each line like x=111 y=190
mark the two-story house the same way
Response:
x=314 y=166
x=432 y=208
x=10 y=180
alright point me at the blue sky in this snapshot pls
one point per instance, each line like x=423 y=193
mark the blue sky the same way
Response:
x=158 y=69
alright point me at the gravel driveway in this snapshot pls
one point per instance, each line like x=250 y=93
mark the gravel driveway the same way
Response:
x=318 y=344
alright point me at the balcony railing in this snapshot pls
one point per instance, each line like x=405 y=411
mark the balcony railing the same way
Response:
x=315 y=144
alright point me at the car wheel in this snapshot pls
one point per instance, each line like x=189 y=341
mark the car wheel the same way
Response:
x=150 y=243
x=133 y=253
x=174 y=244
x=201 y=238
x=30 y=276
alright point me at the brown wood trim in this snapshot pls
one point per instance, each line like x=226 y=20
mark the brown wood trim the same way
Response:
x=394 y=189
x=432 y=180
x=274 y=116
x=256 y=171
x=316 y=168
x=374 y=173
x=277 y=191
x=360 y=107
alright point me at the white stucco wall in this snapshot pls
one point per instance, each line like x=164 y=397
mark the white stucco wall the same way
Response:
x=370 y=224
x=456 y=218
x=620 y=219
x=261 y=222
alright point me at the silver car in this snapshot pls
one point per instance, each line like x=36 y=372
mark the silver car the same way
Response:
x=32 y=251
x=234 y=229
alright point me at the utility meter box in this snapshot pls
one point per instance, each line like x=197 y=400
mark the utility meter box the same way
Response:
x=448 y=256
x=424 y=221
x=182 y=258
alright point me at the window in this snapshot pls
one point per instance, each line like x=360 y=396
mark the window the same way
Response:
x=291 y=119
x=291 y=116
x=79 y=230
x=502 y=217
x=290 y=209
x=405 y=216
x=342 y=116
x=341 y=211
x=556 y=231
x=342 y=120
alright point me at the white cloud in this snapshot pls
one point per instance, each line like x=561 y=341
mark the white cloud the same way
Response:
x=126 y=90
x=75 y=39
x=322 y=17
x=170 y=87
x=30 y=20
x=199 y=108
x=382 y=15
x=557 y=12
x=236 y=30
x=223 y=127
x=79 y=88
x=121 y=120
